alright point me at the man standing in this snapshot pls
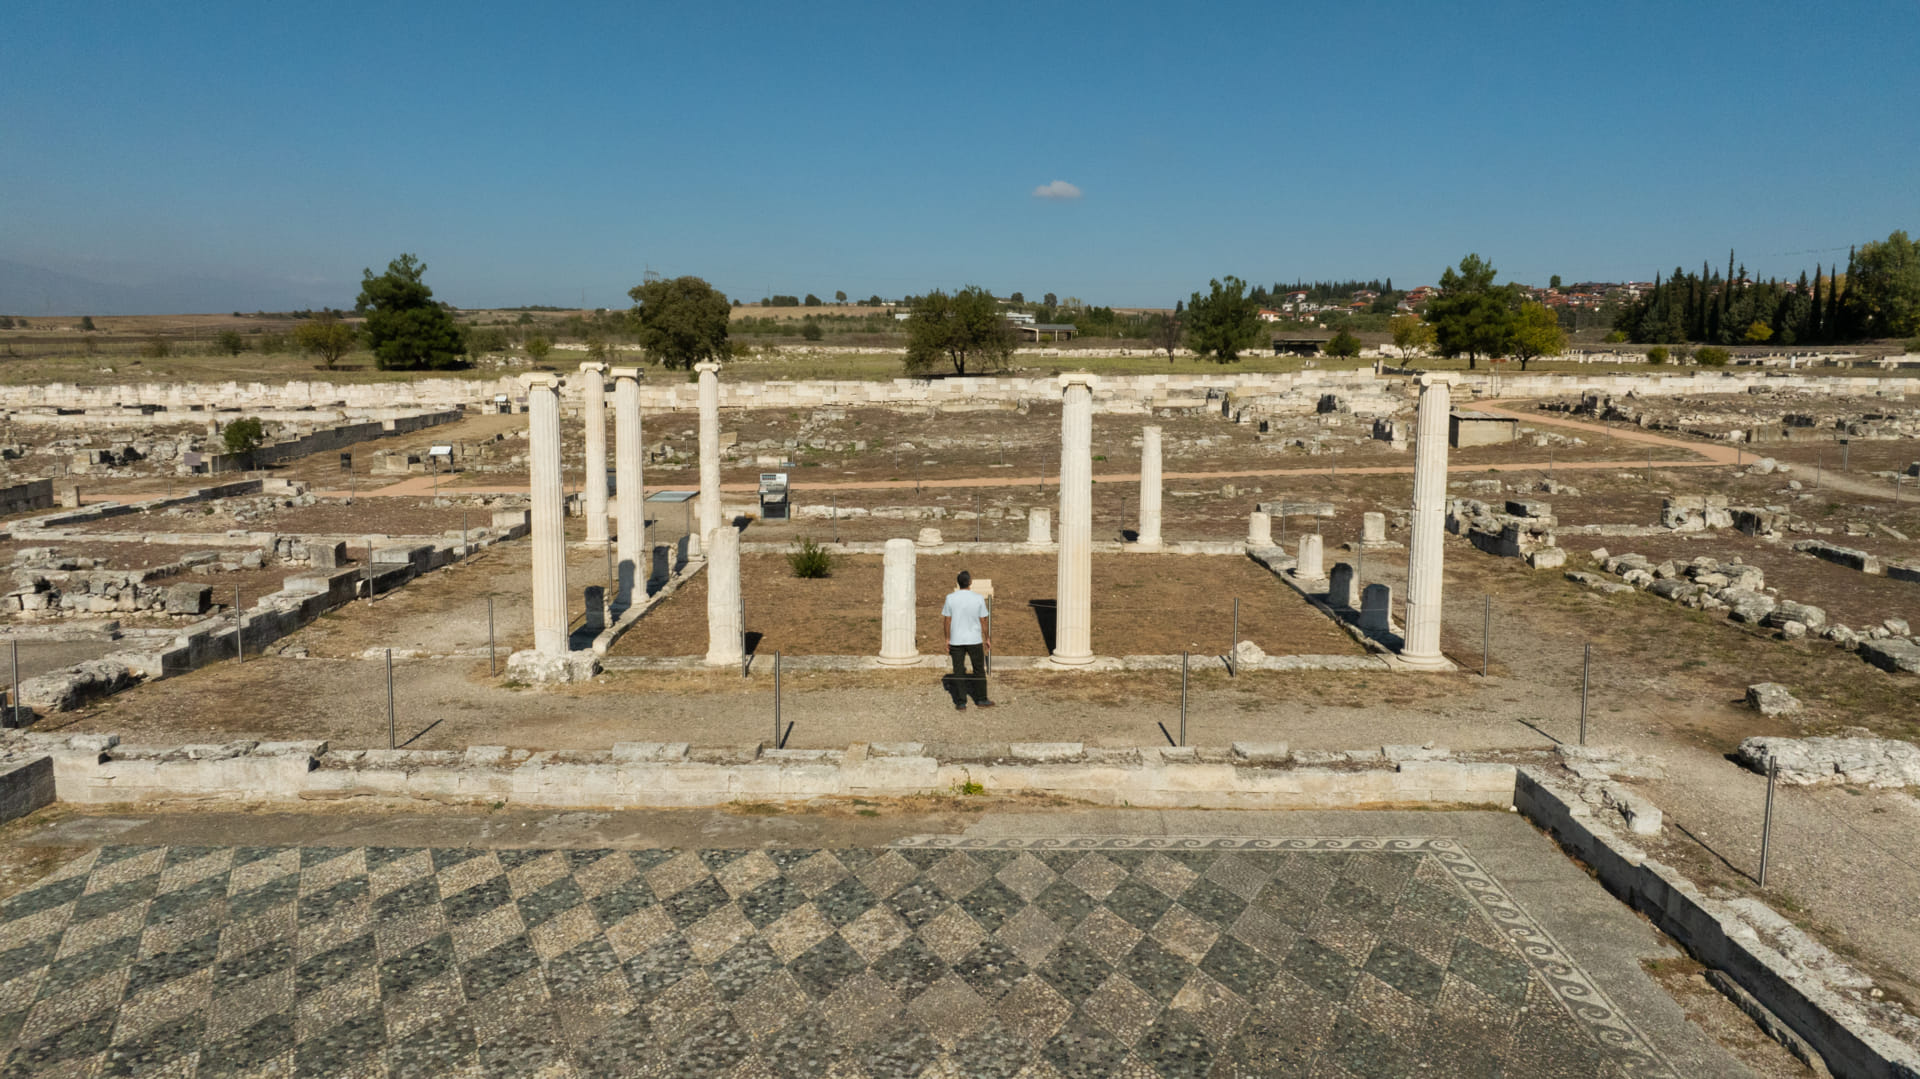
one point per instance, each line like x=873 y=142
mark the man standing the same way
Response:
x=964 y=616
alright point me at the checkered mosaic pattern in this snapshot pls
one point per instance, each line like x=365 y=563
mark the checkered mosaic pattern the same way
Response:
x=930 y=959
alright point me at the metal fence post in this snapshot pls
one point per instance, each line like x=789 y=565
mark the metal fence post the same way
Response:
x=239 y=627
x=1183 y=698
x=390 y=734
x=1766 y=821
x=491 y=669
x=1486 y=631
x=13 y=702
x=1234 y=651
x=776 y=700
x=1586 y=669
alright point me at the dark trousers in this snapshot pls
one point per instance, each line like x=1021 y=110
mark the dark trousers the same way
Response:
x=960 y=683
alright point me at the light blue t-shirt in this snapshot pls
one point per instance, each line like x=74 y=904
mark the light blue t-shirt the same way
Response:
x=966 y=609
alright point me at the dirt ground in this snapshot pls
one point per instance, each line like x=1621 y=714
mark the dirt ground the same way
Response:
x=334 y=516
x=1143 y=605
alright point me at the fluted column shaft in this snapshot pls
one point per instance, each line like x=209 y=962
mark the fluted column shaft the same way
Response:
x=724 y=628
x=897 y=592
x=548 y=517
x=1425 y=550
x=1073 y=593
x=593 y=407
x=709 y=448
x=629 y=452
x=1149 y=534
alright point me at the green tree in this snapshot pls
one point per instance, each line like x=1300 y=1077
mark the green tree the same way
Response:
x=811 y=300
x=1884 y=287
x=1411 y=335
x=230 y=342
x=681 y=321
x=840 y=296
x=1758 y=332
x=86 y=323
x=537 y=348
x=1050 y=300
x=1657 y=355
x=1223 y=323
x=1472 y=317
x=406 y=329
x=1018 y=298
x=1554 y=282
x=1342 y=344
x=326 y=337
x=1536 y=333
x=960 y=329
x=811 y=331
x=243 y=436
x=875 y=301
x=485 y=339
x=1712 y=356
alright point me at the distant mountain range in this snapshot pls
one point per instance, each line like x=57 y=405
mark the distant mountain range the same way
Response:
x=32 y=290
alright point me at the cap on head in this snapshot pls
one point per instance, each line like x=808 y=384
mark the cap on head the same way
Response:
x=965 y=579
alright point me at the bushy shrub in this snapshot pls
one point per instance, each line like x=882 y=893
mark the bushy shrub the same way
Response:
x=243 y=435
x=156 y=349
x=1711 y=356
x=1658 y=354
x=230 y=342
x=809 y=559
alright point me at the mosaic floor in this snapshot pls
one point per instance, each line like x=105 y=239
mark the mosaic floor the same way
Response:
x=935 y=957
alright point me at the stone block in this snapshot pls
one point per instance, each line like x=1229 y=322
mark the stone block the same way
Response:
x=1414 y=753
x=1893 y=654
x=187 y=598
x=649 y=752
x=1547 y=558
x=1046 y=751
x=1261 y=752
x=1772 y=699
x=327 y=555
x=538 y=668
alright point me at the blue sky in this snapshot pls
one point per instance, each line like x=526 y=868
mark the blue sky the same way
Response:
x=537 y=154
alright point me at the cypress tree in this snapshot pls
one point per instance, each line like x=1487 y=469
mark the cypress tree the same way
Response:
x=1812 y=332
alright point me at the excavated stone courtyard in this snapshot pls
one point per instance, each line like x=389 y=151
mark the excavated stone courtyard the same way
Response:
x=1666 y=681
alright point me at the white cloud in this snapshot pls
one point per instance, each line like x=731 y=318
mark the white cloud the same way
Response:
x=1059 y=189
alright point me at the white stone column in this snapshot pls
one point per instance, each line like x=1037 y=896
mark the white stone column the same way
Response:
x=724 y=628
x=549 y=517
x=1425 y=550
x=1073 y=594
x=897 y=645
x=629 y=451
x=1259 y=530
x=1311 y=564
x=1039 y=526
x=593 y=408
x=1149 y=535
x=708 y=515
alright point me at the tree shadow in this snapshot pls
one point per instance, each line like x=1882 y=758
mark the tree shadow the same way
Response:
x=1046 y=613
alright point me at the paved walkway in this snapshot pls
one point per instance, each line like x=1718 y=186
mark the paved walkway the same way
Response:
x=1270 y=944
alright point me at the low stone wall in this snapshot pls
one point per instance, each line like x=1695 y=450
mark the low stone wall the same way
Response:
x=97 y=769
x=26 y=497
x=1743 y=938
x=329 y=439
x=1184 y=388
